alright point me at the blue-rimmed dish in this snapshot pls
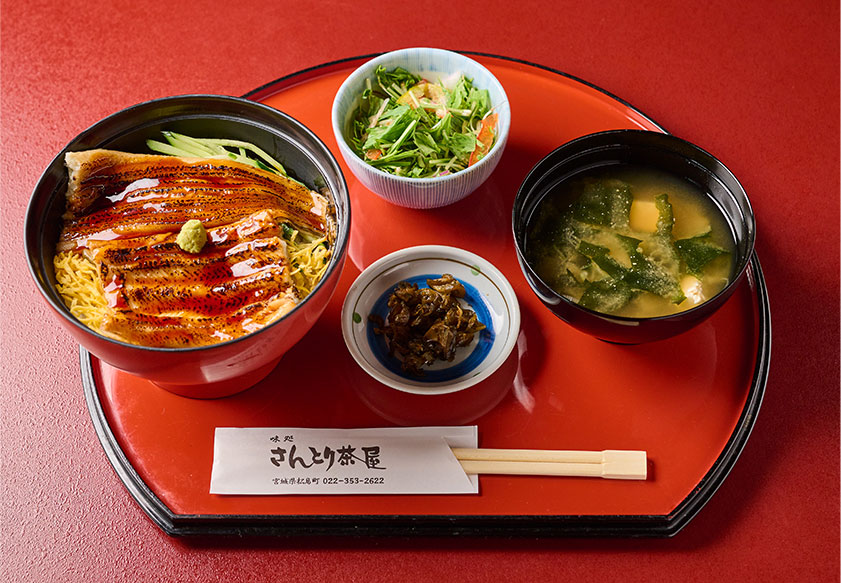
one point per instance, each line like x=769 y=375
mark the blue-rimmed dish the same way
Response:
x=488 y=294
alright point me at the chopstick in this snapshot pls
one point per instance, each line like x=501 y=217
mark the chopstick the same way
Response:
x=610 y=463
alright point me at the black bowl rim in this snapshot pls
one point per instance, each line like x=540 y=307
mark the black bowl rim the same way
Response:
x=343 y=234
x=744 y=261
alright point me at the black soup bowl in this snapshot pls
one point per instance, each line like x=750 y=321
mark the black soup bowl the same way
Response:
x=231 y=366
x=647 y=149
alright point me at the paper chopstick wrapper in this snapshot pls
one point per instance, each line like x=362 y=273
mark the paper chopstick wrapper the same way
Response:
x=392 y=460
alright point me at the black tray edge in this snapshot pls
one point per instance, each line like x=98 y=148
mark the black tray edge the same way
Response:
x=428 y=525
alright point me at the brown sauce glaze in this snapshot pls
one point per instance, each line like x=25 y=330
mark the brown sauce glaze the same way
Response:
x=125 y=211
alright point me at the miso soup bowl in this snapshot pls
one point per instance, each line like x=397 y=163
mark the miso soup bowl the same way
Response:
x=655 y=150
x=228 y=367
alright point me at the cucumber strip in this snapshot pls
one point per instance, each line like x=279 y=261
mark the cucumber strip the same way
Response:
x=162 y=148
x=249 y=147
x=190 y=146
x=183 y=145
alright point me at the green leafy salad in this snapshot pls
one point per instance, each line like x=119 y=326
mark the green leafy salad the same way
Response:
x=412 y=127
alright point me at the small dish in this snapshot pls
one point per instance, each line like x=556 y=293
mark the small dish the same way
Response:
x=489 y=295
x=432 y=64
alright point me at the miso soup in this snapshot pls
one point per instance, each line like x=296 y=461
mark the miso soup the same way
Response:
x=631 y=241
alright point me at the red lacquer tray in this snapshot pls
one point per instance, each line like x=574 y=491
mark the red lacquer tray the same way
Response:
x=690 y=401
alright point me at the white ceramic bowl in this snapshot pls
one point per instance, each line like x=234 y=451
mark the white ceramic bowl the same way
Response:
x=488 y=294
x=431 y=64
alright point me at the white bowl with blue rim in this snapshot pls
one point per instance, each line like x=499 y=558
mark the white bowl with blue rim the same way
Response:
x=428 y=63
x=488 y=294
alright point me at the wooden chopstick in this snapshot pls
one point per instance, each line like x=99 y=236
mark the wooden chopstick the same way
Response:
x=610 y=463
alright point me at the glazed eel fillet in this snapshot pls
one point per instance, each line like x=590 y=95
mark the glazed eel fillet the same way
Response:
x=124 y=212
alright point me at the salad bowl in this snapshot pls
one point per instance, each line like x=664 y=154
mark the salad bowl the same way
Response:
x=434 y=66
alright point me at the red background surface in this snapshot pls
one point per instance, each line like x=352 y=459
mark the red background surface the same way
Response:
x=755 y=83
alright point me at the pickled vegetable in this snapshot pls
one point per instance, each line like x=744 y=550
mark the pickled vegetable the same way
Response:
x=425 y=325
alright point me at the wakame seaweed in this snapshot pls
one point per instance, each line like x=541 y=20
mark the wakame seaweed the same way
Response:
x=599 y=259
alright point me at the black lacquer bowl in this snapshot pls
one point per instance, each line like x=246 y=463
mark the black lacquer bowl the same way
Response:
x=640 y=148
x=228 y=367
